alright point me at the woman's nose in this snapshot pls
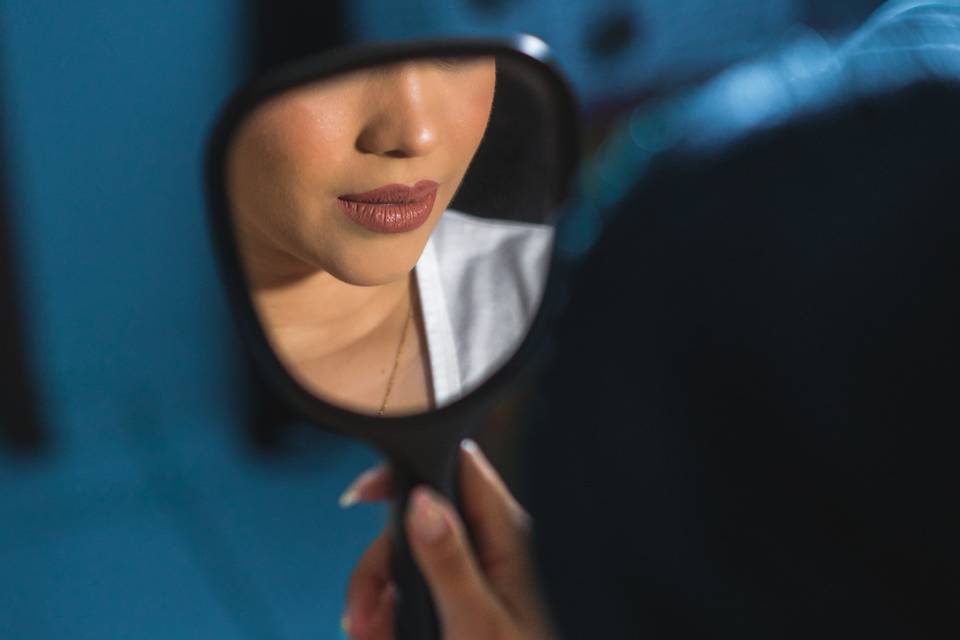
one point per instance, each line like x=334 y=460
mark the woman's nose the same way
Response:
x=402 y=122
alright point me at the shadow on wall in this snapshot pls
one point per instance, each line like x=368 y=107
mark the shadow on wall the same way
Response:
x=19 y=417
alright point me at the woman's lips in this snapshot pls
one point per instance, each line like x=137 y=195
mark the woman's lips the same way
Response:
x=393 y=208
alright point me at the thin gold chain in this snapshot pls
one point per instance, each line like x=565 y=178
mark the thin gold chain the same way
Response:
x=396 y=363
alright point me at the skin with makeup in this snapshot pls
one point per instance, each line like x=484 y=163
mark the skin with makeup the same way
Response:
x=335 y=189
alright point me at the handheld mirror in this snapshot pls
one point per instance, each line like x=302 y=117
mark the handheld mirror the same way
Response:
x=384 y=217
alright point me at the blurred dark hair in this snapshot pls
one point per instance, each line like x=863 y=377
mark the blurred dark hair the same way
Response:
x=523 y=166
x=750 y=426
x=286 y=30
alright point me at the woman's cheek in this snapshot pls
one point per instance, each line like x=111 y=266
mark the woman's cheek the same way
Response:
x=314 y=151
x=473 y=127
x=482 y=102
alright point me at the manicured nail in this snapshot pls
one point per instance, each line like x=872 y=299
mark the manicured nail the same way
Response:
x=352 y=493
x=389 y=594
x=429 y=524
x=469 y=446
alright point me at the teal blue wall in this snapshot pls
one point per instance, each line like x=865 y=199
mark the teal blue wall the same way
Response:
x=107 y=106
x=148 y=517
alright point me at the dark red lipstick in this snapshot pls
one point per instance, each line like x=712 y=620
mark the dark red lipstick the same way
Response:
x=394 y=208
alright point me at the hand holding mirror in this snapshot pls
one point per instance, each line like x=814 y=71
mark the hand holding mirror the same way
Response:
x=384 y=221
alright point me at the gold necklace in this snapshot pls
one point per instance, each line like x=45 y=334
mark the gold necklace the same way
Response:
x=396 y=363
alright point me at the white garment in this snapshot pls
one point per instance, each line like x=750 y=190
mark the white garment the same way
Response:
x=480 y=282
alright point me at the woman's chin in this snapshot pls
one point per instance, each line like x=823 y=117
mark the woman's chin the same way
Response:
x=373 y=266
x=371 y=277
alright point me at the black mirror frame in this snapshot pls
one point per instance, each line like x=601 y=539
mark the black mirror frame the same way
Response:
x=380 y=431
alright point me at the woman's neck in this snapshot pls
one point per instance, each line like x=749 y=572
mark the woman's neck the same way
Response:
x=317 y=315
x=307 y=312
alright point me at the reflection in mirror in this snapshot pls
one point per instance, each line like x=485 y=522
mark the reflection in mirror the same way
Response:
x=392 y=225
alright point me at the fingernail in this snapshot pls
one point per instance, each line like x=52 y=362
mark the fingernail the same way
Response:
x=345 y=624
x=472 y=449
x=389 y=594
x=352 y=493
x=428 y=522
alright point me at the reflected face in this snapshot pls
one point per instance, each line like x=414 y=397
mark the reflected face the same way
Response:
x=350 y=175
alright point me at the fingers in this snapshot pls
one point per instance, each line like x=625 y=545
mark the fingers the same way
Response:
x=465 y=602
x=370 y=594
x=370 y=486
x=499 y=524
x=489 y=507
x=477 y=587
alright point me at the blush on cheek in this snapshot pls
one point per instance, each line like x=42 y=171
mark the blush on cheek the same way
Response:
x=467 y=134
x=302 y=141
x=478 y=105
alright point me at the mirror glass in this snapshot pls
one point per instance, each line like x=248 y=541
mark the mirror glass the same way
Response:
x=394 y=224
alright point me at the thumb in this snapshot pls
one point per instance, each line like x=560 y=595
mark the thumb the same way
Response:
x=465 y=603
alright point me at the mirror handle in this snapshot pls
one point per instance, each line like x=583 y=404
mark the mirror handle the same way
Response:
x=415 y=617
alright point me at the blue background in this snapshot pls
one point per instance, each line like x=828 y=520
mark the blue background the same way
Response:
x=149 y=516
